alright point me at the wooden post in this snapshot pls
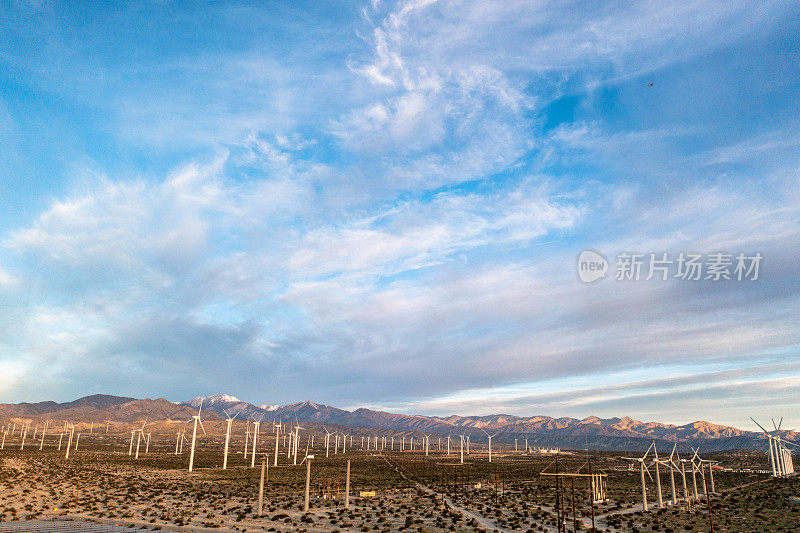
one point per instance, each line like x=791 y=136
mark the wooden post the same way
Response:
x=261 y=486
x=574 y=517
x=558 y=497
x=592 y=490
x=308 y=482
x=708 y=502
x=347 y=487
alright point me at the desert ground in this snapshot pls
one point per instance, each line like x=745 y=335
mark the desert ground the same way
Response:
x=390 y=490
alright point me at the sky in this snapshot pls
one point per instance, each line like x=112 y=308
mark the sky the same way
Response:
x=382 y=204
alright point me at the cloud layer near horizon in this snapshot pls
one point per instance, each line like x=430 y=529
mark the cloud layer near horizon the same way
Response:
x=385 y=207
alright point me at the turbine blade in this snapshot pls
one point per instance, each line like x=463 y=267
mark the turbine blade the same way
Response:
x=648 y=451
x=201 y=426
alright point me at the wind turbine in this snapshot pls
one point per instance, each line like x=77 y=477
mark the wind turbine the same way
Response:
x=69 y=443
x=256 y=425
x=694 y=471
x=194 y=434
x=277 y=440
x=246 y=440
x=642 y=469
x=227 y=437
x=780 y=457
x=297 y=429
x=671 y=463
x=658 y=476
x=44 y=431
x=462 y=449
x=130 y=449
x=328 y=441
x=490 y=444
x=139 y=437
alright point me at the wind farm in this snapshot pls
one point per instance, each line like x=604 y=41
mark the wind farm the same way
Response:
x=323 y=476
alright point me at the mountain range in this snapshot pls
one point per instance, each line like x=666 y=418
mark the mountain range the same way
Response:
x=593 y=432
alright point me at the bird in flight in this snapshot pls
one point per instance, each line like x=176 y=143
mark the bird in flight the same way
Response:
x=650 y=84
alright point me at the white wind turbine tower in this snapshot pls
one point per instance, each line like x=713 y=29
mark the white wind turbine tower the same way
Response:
x=194 y=434
x=462 y=449
x=139 y=437
x=344 y=443
x=227 y=438
x=694 y=471
x=130 y=449
x=642 y=469
x=297 y=429
x=671 y=464
x=69 y=443
x=24 y=433
x=256 y=425
x=490 y=444
x=328 y=442
x=44 y=430
x=427 y=443
x=780 y=458
x=246 y=440
x=448 y=444
x=656 y=462
x=277 y=440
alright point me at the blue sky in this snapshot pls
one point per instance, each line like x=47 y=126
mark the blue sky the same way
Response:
x=382 y=203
